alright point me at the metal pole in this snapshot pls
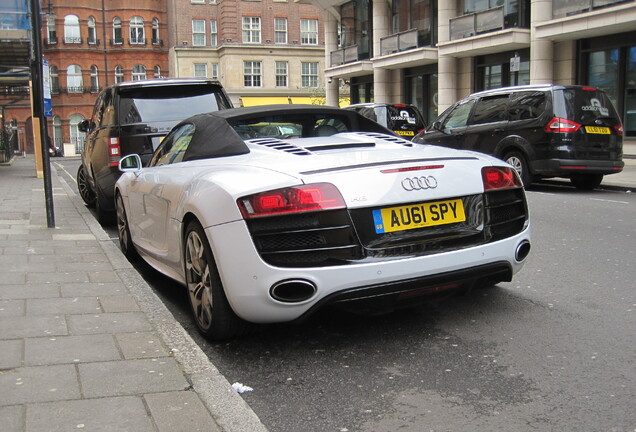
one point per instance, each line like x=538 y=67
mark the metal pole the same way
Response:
x=38 y=107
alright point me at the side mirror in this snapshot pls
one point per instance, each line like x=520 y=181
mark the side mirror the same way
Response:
x=437 y=126
x=85 y=126
x=130 y=163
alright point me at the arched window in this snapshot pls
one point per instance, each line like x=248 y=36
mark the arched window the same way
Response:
x=119 y=74
x=94 y=79
x=155 y=32
x=72 y=30
x=92 y=32
x=74 y=82
x=157 y=71
x=117 y=35
x=54 y=79
x=57 y=131
x=139 y=72
x=77 y=137
x=137 y=30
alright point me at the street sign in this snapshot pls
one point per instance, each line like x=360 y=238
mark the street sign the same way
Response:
x=515 y=64
x=46 y=87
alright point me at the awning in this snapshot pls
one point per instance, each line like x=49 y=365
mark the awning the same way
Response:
x=248 y=101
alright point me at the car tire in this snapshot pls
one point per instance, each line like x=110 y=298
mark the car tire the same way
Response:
x=123 y=231
x=518 y=161
x=586 y=181
x=84 y=188
x=212 y=312
x=104 y=217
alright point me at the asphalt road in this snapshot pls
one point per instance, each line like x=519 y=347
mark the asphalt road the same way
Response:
x=552 y=351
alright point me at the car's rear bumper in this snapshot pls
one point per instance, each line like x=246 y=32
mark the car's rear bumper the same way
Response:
x=568 y=167
x=248 y=280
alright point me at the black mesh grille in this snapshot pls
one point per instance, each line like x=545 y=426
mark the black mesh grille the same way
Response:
x=506 y=213
x=308 y=239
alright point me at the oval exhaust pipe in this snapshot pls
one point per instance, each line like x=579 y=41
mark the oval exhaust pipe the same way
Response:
x=293 y=291
x=523 y=249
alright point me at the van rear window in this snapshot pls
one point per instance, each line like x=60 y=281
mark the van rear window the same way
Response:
x=399 y=116
x=584 y=106
x=157 y=104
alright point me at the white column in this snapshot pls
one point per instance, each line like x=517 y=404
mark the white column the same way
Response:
x=332 y=93
x=381 y=77
x=541 y=50
x=447 y=66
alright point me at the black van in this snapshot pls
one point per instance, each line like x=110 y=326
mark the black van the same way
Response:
x=403 y=119
x=133 y=117
x=542 y=130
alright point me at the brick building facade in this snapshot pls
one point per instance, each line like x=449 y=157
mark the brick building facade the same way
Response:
x=261 y=51
x=88 y=47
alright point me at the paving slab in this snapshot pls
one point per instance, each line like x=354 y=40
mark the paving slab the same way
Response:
x=70 y=349
x=179 y=412
x=95 y=415
x=131 y=377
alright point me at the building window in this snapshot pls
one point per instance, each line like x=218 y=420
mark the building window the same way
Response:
x=309 y=32
x=57 y=131
x=72 y=30
x=94 y=79
x=251 y=30
x=215 y=71
x=214 y=34
x=282 y=72
x=197 y=1
x=119 y=74
x=77 y=137
x=155 y=32
x=74 y=82
x=50 y=29
x=55 y=79
x=198 y=32
x=137 y=30
x=138 y=72
x=252 y=73
x=157 y=71
x=200 y=70
x=92 y=33
x=118 y=37
x=280 y=30
x=309 y=74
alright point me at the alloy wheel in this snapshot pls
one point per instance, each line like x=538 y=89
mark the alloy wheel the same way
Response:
x=87 y=194
x=199 y=280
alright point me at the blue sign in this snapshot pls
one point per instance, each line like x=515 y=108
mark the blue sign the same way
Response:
x=46 y=86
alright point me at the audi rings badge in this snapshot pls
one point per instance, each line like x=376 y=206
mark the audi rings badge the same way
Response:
x=419 y=183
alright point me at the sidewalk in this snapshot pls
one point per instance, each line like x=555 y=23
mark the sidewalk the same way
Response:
x=84 y=342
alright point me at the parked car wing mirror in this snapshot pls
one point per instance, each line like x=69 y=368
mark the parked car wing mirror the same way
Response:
x=130 y=163
x=437 y=126
x=86 y=125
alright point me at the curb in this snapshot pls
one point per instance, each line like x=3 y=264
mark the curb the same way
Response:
x=226 y=406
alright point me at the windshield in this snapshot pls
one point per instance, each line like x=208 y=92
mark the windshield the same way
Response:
x=157 y=104
x=583 y=105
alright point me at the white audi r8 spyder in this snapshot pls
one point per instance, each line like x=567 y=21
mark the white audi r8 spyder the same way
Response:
x=267 y=214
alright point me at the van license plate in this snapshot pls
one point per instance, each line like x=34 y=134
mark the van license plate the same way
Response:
x=418 y=216
x=597 y=130
x=404 y=133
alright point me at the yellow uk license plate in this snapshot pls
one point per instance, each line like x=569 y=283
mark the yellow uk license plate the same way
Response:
x=597 y=130
x=418 y=216
x=404 y=133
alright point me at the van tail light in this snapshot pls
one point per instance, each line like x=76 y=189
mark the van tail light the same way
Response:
x=295 y=199
x=500 y=178
x=619 y=129
x=562 y=125
x=114 y=151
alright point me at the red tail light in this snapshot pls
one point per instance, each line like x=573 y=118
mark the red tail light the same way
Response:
x=500 y=178
x=304 y=198
x=114 y=151
x=619 y=129
x=562 y=125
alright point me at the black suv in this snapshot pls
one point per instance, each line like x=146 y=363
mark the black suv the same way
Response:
x=403 y=119
x=543 y=131
x=133 y=117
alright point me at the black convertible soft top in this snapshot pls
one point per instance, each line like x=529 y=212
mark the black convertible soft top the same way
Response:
x=217 y=133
